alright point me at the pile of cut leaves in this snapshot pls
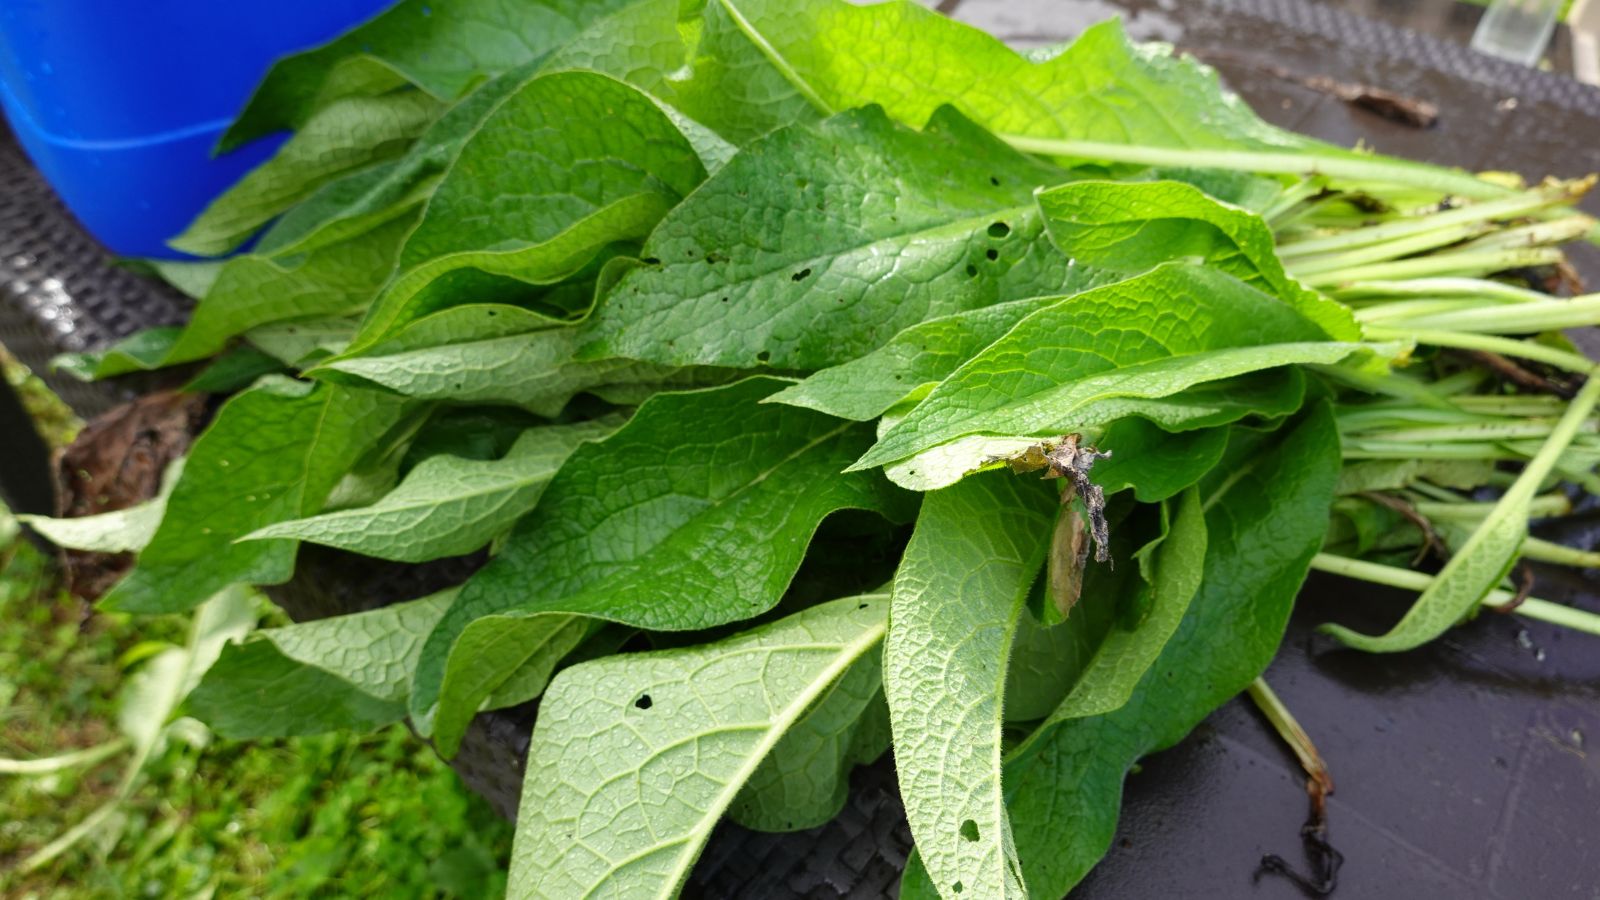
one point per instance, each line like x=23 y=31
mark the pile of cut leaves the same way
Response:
x=824 y=377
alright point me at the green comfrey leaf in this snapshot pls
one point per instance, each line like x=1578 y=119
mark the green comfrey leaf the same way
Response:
x=299 y=342
x=804 y=779
x=959 y=595
x=348 y=135
x=1155 y=464
x=1135 y=226
x=348 y=672
x=1176 y=327
x=252 y=291
x=635 y=758
x=568 y=164
x=819 y=243
x=361 y=200
x=911 y=60
x=695 y=514
x=1394 y=474
x=1265 y=511
x=272 y=453
x=447 y=505
x=441 y=48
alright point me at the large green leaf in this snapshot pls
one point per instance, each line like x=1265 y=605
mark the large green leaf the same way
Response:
x=567 y=164
x=1265 y=512
x=695 y=514
x=348 y=672
x=959 y=595
x=447 y=505
x=273 y=453
x=1134 y=226
x=818 y=243
x=635 y=758
x=1147 y=337
x=911 y=60
x=347 y=135
x=442 y=48
x=116 y=531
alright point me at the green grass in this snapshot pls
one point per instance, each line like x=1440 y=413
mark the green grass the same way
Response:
x=327 y=816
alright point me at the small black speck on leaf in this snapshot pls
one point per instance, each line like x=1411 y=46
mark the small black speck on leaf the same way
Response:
x=644 y=701
x=993 y=254
x=999 y=230
x=801 y=275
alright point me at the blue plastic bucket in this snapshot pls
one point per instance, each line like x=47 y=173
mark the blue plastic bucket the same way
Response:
x=120 y=102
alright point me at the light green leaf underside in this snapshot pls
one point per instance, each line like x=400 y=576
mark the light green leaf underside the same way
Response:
x=117 y=531
x=347 y=672
x=958 y=597
x=635 y=758
x=447 y=505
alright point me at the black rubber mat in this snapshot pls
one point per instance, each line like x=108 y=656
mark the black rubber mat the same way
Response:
x=1463 y=770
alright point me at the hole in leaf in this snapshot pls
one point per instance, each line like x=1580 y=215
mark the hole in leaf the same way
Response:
x=644 y=701
x=993 y=254
x=651 y=261
x=493 y=313
x=801 y=275
x=969 y=830
x=957 y=887
x=862 y=606
x=999 y=230
x=763 y=356
x=994 y=180
x=972 y=271
x=724 y=299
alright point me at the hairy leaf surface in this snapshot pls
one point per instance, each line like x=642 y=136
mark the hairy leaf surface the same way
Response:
x=635 y=758
x=959 y=595
x=347 y=672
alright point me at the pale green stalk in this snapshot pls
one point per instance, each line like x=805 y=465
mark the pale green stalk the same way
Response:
x=1440 y=264
x=1561 y=359
x=1522 y=318
x=1450 y=220
x=1439 y=287
x=1390 y=576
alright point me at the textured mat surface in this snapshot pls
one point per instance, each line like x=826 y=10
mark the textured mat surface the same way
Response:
x=1462 y=769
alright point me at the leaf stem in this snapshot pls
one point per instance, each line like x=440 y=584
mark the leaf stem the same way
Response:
x=1303 y=163
x=1450 y=221
x=1465 y=263
x=1521 y=318
x=85 y=757
x=1290 y=730
x=1552 y=356
x=1439 y=287
x=1406 y=579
